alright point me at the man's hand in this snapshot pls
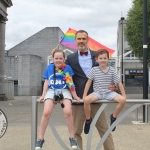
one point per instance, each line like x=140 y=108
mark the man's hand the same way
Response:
x=112 y=88
x=53 y=50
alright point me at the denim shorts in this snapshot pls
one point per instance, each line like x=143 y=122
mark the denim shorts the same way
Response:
x=50 y=94
x=106 y=96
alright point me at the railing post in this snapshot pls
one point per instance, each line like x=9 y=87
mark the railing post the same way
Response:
x=136 y=114
x=146 y=112
x=33 y=122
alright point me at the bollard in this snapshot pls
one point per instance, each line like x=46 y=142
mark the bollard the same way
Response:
x=33 y=122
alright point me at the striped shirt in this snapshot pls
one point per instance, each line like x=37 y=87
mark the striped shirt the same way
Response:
x=102 y=80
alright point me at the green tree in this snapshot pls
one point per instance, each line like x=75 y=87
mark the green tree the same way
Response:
x=134 y=27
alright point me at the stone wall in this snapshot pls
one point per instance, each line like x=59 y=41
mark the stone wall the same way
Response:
x=29 y=75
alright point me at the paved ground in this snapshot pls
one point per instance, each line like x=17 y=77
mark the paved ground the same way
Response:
x=18 y=135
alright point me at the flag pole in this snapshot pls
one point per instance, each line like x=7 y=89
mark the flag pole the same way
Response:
x=57 y=47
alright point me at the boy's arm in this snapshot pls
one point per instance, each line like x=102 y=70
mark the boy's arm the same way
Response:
x=121 y=87
x=87 y=86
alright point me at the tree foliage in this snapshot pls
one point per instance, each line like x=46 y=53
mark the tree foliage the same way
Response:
x=134 y=27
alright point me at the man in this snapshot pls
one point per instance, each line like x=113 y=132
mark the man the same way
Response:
x=81 y=64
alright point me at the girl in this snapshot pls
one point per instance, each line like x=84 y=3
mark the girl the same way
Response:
x=58 y=82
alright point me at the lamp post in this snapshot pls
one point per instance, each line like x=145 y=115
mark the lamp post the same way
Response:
x=122 y=19
x=145 y=57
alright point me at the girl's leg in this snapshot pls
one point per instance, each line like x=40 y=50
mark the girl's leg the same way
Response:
x=121 y=102
x=48 y=107
x=87 y=101
x=68 y=115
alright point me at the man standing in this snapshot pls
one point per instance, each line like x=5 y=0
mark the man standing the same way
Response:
x=81 y=62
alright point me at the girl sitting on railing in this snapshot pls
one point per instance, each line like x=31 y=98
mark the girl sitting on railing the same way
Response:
x=58 y=82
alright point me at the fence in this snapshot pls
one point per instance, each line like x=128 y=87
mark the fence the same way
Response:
x=136 y=104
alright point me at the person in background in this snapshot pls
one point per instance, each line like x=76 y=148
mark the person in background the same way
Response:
x=102 y=77
x=58 y=82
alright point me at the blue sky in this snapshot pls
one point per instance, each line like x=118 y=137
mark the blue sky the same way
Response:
x=98 y=17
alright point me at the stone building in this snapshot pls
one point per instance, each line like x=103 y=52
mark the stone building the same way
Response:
x=25 y=63
x=4 y=4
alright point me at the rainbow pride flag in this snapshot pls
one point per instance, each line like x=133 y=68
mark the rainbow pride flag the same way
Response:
x=69 y=37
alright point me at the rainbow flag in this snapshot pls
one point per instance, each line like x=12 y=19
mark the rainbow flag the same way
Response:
x=69 y=37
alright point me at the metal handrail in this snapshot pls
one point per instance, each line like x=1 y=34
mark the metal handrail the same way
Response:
x=136 y=102
x=142 y=101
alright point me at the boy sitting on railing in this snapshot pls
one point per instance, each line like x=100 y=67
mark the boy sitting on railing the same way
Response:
x=102 y=77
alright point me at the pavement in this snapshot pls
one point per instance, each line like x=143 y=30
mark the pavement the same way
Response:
x=128 y=136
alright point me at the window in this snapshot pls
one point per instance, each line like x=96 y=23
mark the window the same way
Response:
x=133 y=77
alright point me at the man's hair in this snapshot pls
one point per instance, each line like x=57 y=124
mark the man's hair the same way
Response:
x=81 y=31
x=102 y=51
x=58 y=51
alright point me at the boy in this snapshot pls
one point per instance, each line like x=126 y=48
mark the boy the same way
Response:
x=102 y=76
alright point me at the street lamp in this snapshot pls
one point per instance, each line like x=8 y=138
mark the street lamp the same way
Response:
x=145 y=57
x=122 y=19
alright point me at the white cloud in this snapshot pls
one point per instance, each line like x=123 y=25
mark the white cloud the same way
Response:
x=98 y=17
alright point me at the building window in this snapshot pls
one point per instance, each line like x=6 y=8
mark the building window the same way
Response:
x=133 y=77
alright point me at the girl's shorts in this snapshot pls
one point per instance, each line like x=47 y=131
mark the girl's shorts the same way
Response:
x=108 y=95
x=50 y=94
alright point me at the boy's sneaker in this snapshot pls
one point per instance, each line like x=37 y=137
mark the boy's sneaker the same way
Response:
x=112 y=120
x=73 y=143
x=39 y=144
x=87 y=126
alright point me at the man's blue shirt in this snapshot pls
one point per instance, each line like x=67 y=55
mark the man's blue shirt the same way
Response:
x=85 y=62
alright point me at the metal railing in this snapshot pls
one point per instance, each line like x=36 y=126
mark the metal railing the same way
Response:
x=136 y=103
x=146 y=113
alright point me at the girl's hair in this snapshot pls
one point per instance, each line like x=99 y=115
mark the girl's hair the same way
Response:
x=58 y=51
x=102 y=51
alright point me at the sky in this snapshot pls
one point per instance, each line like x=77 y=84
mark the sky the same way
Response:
x=98 y=17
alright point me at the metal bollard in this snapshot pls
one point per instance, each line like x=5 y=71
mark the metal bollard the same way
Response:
x=33 y=122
